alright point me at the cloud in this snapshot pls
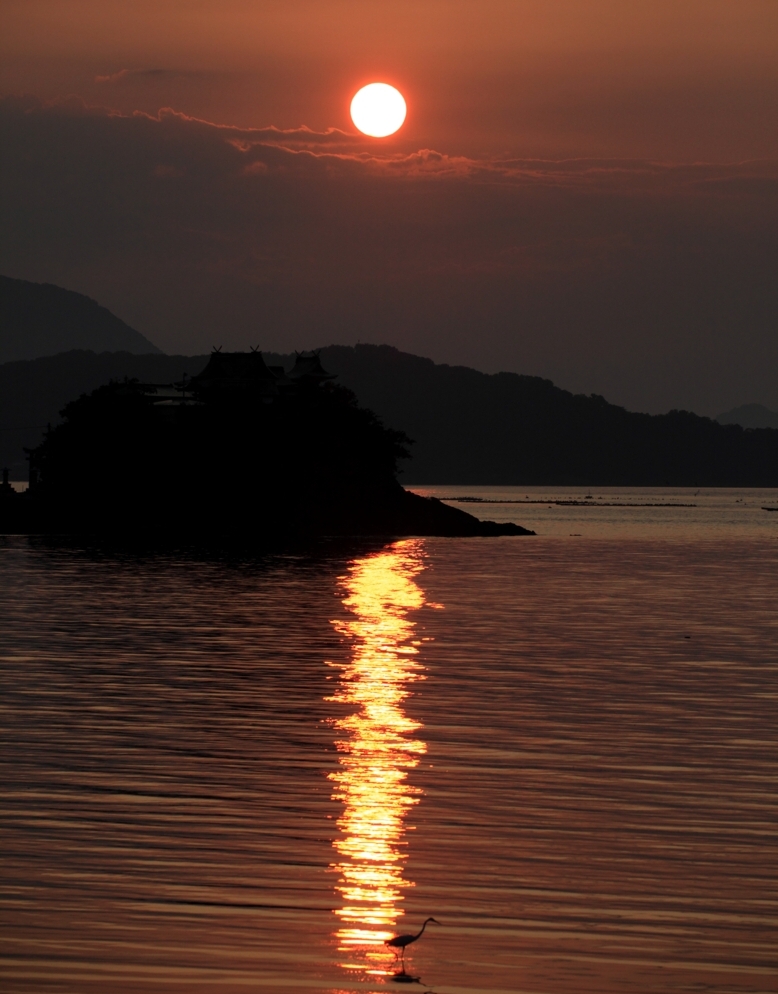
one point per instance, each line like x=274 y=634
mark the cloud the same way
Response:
x=652 y=283
x=114 y=77
x=128 y=75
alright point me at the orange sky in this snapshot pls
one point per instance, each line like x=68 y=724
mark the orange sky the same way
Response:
x=677 y=79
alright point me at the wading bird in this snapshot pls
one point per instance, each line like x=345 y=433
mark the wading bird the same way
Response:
x=401 y=941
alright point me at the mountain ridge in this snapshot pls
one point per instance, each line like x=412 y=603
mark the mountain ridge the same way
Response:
x=469 y=427
x=41 y=319
x=749 y=416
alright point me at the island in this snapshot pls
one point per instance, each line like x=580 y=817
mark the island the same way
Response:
x=243 y=453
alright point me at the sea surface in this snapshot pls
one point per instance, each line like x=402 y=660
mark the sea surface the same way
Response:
x=674 y=513
x=225 y=775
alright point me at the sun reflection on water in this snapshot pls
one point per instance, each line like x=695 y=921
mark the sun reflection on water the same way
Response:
x=377 y=749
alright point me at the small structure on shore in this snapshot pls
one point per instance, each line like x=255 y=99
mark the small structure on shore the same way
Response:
x=231 y=377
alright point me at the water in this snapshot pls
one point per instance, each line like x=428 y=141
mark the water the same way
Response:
x=231 y=776
x=622 y=512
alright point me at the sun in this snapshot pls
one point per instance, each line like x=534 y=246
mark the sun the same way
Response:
x=378 y=110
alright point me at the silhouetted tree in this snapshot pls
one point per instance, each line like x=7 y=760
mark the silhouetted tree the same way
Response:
x=311 y=457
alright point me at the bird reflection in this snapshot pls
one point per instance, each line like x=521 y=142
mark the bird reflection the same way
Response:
x=377 y=749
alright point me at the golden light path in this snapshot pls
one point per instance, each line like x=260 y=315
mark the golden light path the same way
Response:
x=377 y=749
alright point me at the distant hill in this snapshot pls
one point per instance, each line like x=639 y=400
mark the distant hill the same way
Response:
x=749 y=416
x=469 y=427
x=39 y=319
x=472 y=428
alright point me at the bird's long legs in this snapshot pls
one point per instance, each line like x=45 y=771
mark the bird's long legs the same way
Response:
x=402 y=958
